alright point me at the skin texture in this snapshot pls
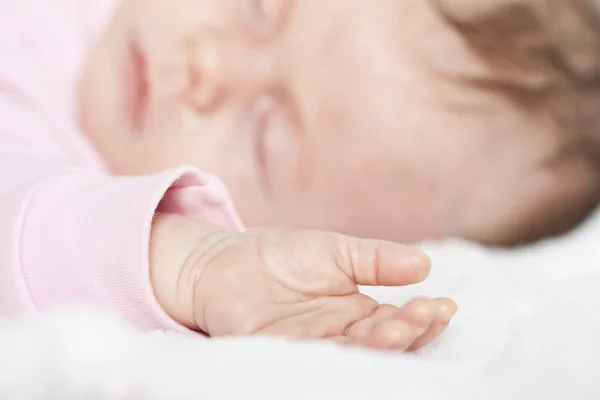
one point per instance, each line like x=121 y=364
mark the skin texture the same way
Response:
x=344 y=116
x=400 y=120
x=299 y=284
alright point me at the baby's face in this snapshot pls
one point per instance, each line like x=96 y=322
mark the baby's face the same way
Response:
x=336 y=114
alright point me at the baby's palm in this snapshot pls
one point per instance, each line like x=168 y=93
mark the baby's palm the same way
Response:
x=303 y=284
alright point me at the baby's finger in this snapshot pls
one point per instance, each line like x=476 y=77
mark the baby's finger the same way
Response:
x=393 y=334
x=400 y=330
x=435 y=330
x=420 y=311
x=446 y=309
x=380 y=263
x=361 y=329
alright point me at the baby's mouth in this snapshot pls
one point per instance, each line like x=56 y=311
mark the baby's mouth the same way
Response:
x=136 y=85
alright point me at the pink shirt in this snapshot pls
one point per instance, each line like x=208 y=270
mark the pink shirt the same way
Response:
x=69 y=231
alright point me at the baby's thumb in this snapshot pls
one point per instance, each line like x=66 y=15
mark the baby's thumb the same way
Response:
x=380 y=263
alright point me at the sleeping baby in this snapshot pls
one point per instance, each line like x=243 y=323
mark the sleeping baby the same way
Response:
x=240 y=167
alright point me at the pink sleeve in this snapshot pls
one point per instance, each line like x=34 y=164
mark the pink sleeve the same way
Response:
x=70 y=232
x=69 y=235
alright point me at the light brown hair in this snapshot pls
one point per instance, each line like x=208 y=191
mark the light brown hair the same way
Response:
x=544 y=56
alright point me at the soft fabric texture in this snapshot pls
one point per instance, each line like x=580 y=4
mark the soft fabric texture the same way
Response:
x=528 y=327
x=70 y=231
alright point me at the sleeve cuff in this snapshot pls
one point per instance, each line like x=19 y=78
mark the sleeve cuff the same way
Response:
x=85 y=239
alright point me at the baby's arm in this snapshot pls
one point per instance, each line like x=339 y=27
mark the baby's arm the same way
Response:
x=70 y=232
x=163 y=250
x=69 y=235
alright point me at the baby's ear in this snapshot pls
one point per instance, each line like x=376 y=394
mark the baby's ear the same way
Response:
x=531 y=44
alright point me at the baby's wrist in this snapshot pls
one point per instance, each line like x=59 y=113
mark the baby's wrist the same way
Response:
x=176 y=243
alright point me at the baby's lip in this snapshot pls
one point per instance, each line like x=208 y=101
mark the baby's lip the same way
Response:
x=136 y=85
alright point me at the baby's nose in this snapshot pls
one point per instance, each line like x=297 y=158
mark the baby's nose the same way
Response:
x=222 y=70
x=205 y=69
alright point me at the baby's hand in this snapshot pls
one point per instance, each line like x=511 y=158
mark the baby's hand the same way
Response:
x=303 y=284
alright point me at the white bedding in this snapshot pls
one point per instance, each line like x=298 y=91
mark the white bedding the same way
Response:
x=528 y=328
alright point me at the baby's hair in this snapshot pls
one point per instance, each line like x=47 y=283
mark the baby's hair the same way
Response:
x=544 y=57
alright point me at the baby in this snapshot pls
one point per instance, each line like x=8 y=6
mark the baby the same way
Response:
x=135 y=137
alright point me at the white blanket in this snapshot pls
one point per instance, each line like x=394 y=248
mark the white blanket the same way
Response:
x=528 y=328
